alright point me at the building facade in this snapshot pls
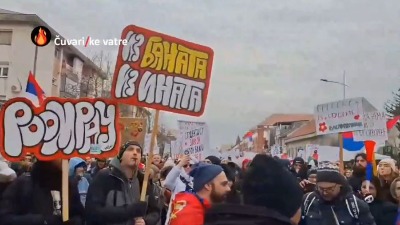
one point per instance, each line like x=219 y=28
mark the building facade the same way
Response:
x=61 y=71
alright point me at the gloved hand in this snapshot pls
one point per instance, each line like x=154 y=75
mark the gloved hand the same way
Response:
x=53 y=220
x=138 y=209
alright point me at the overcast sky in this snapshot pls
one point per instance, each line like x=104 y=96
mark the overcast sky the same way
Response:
x=269 y=54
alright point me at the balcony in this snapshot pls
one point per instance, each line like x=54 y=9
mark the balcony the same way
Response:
x=69 y=88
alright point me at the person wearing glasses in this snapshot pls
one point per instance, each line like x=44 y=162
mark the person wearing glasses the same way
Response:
x=333 y=202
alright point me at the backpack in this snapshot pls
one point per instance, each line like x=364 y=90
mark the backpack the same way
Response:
x=351 y=203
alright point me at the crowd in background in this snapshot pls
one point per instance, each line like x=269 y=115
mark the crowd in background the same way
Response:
x=262 y=190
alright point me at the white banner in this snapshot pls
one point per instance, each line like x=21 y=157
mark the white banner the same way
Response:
x=312 y=152
x=193 y=139
x=341 y=116
x=375 y=128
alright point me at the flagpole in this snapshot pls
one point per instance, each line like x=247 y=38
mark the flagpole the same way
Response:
x=35 y=60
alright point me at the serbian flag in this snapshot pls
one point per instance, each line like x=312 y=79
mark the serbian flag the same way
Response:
x=33 y=91
x=249 y=135
x=349 y=144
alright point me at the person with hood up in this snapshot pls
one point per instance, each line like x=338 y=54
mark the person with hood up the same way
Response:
x=271 y=196
x=35 y=199
x=359 y=172
x=77 y=174
x=384 y=212
x=178 y=179
x=210 y=186
x=114 y=194
x=333 y=202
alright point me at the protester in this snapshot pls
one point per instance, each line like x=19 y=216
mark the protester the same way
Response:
x=271 y=196
x=309 y=186
x=348 y=173
x=245 y=164
x=384 y=212
x=36 y=199
x=114 y=194
x=166 y=193
x=234 y=195
x=387 y=172
x=359 y=172
x=178 y=179
x=210 y=185
x=333 y=201
x=212 y=160
x=7 y=175
x=101 y=163
x=157 y=161
x=77 y=170
x=299 y=168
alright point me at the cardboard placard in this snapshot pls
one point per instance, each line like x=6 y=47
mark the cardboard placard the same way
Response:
x=59 y=128
x=162 y=72
x=133 y=129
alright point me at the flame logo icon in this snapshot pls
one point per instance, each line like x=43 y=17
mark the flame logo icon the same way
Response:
x=40 y=36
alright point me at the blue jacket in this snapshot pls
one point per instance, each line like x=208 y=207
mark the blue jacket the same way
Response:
x=83 y=183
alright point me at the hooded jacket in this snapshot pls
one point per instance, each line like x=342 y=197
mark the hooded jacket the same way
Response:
x=82 y=183
x=111 y=198
x=320 y=211
x=36 y=199
x=233 y=214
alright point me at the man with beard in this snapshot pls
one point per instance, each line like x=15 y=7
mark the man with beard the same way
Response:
x=333 y=202
x=359 y=172
x=210 y=185
x=114 y=194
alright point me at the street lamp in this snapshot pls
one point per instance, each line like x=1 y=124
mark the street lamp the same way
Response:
x=341 y=83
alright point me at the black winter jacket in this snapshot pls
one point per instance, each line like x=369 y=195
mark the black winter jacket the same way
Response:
x=30 y=199
x=234 y=214
x=111 y=199
x=320 y=211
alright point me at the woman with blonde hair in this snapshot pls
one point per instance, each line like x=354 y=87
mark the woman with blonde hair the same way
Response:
x=387 y=172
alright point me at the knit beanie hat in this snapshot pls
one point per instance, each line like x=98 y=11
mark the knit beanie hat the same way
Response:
x=126 y=145
x=269 y=184
x=390 y=162
x=204 y=173
x=330 y=173
x=214 y=160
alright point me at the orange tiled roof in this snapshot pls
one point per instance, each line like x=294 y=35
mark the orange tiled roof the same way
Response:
x=286 y=118
x=308 y=128
x=283 y=118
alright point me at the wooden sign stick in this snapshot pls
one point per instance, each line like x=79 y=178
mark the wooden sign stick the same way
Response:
x=148 y=161
x=64 y=190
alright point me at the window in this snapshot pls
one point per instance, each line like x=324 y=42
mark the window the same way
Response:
x=5 y=37
x=4 y=69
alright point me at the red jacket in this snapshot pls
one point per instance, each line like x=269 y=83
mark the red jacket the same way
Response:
x=188 y=208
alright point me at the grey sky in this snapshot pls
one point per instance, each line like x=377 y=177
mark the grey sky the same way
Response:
x=269 y=54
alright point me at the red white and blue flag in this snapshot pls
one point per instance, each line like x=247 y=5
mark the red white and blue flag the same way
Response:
x=33 y=91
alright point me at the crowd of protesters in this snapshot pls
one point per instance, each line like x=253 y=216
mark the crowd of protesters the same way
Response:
x=262 y=190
